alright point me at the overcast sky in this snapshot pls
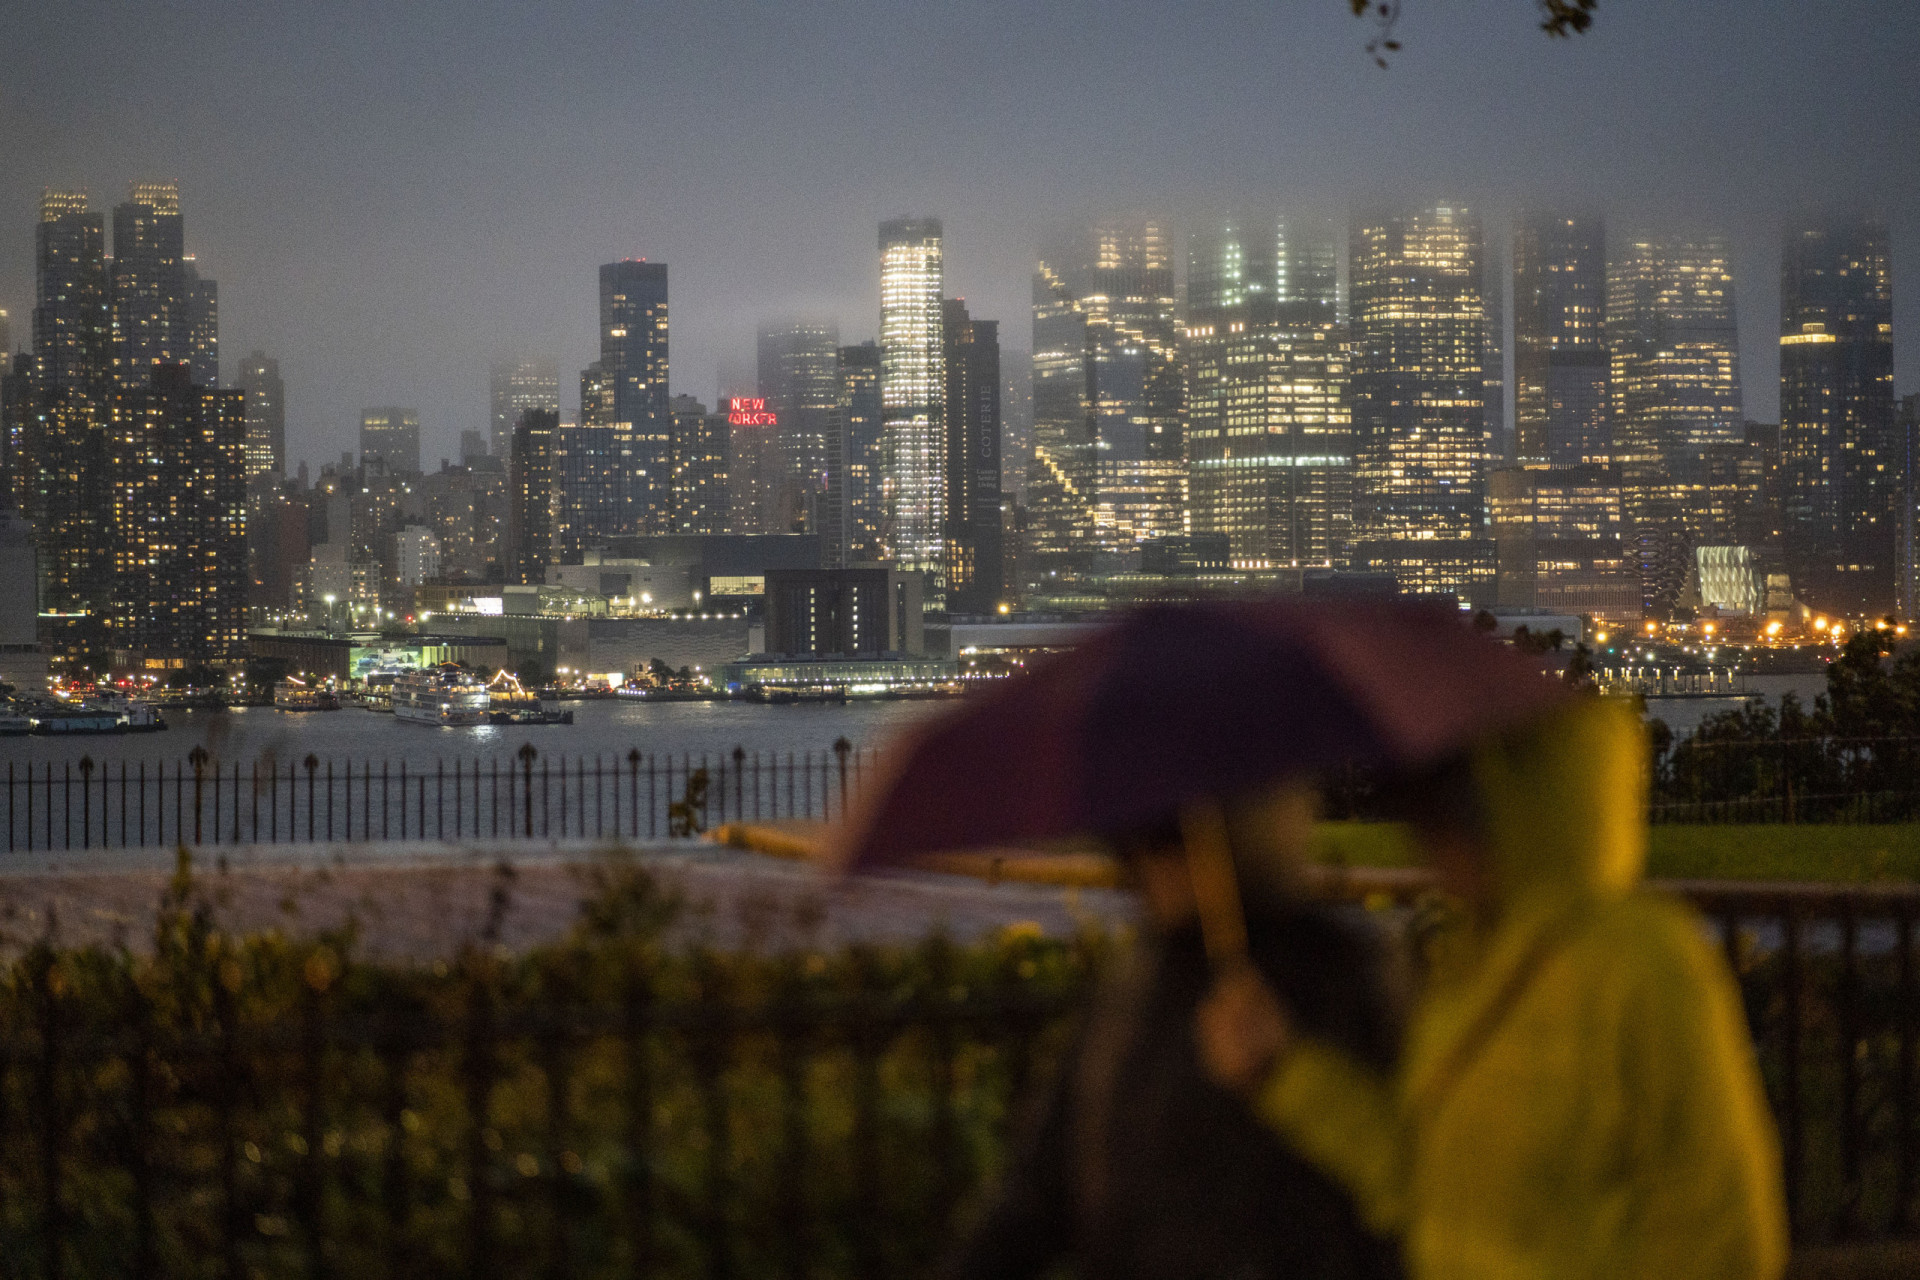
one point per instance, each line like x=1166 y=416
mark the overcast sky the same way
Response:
x=389 y=194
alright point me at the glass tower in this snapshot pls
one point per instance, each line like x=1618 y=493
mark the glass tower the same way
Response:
x=855 y=526
x=1841 y=463
x=1419 y=323
x=1560 y=361
x=633 y=353
x=976 y=562
x=1675 y=389
x=913 y=396
x=1108 y=457
x=1269 y=429
x=592 y=463
x=799 y=378
x=266 y=399
x=515 y=384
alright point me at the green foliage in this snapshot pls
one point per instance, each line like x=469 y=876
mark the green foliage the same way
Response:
x=252 y=1105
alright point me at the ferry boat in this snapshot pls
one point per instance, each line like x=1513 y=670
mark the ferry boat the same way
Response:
x=295 y=694
x=445 y=694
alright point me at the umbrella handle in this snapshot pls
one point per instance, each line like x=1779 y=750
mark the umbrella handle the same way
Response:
x=1216 y=887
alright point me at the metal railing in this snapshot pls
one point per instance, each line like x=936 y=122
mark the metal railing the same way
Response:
x=242 y=1112
x=202 y=800
x=1791 y=780
x=1832 y=995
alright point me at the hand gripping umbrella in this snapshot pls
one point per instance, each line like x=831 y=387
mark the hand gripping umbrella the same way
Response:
x=1174 y=708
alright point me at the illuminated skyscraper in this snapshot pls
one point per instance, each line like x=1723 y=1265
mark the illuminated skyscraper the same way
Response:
x=1108 y=466
x=517 y=384
x=63 y=463
x=1419 y=400
x=1560 y=361
x=266 y=398
x=1841 y=464
x=976 y=563
x=197 y=325
x=1269 y=432
x=700 y=446
x=6 y=338
x=799 y=379
x=391 y=435
x=71 y=315
x=149 y=322
x=913 y=396
x=533 y=496
x=1675 y=388
x=633 y=354
x=853 y=530
x=178 y=511
x=593 y=466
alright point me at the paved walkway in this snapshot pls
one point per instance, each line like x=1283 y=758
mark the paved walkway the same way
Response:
x=424 y=901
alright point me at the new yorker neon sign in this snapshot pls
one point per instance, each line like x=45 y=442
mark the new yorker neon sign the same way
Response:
x=750 y=411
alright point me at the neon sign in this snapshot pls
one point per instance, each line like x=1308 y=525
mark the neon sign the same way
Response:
x=750 y=411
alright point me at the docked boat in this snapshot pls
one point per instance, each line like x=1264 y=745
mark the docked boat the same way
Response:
x=14 y=725
x=295 y=694
x=445 y=694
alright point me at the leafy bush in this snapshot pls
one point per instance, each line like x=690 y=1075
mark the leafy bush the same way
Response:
x=604 y=1105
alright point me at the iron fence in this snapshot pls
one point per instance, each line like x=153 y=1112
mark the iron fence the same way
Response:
x=1820 y=779
x=202 y=800
x=1827 y=976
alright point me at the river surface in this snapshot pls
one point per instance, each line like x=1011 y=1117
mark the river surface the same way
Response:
x=605 y=728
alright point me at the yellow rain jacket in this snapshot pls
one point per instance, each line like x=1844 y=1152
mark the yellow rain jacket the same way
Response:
x=1578 y=1094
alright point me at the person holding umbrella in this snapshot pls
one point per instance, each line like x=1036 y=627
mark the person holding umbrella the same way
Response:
x=1140 y=1166
x=1578 y=1093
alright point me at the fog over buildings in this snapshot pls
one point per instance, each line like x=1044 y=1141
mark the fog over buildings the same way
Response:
x=393 y=196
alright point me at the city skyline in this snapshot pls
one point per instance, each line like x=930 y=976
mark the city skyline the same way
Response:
x=384 y=300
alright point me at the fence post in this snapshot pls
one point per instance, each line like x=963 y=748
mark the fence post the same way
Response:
x=526 y=754
x=633 y=797
x=198 y=758
x=86 y=804
x=739 y=776
x=312 y=762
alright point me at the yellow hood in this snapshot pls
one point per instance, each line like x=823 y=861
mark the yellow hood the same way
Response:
x=1565 y=804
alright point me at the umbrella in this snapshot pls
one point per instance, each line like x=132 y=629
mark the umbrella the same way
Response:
x=1177 y=705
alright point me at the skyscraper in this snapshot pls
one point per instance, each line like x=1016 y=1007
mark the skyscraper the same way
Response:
x=633 y=354
x=1675 y=387
x=1108 y=466
x=6 y=338
x=799 y=380
x=532 y=525
x=391 y=435
x=700 y=447
x=71 y=314
x=853 y=531
x=1267 y=364
x=975 y=560
x=1560 y=361
x=1419 y=399
x=178 y=510
x=1840 y=456
x=592 y=462
x=518 y=383
x=755 y=467
x=197 y=325
x=64 y=429
x=266 y=400
x=149 y=320
x=913 y=395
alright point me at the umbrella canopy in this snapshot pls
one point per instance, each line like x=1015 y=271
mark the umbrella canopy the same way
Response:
x=1177 y=704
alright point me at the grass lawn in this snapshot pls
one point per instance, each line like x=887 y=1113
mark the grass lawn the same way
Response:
x=1852 y=854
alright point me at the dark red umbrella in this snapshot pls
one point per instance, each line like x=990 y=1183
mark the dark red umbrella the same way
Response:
x=1179 y=704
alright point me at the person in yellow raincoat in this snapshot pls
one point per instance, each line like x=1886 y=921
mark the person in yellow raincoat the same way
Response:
x=1578 y=1094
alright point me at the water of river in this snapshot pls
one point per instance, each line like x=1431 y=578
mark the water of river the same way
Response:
x=603 y=728
x=599 y=728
